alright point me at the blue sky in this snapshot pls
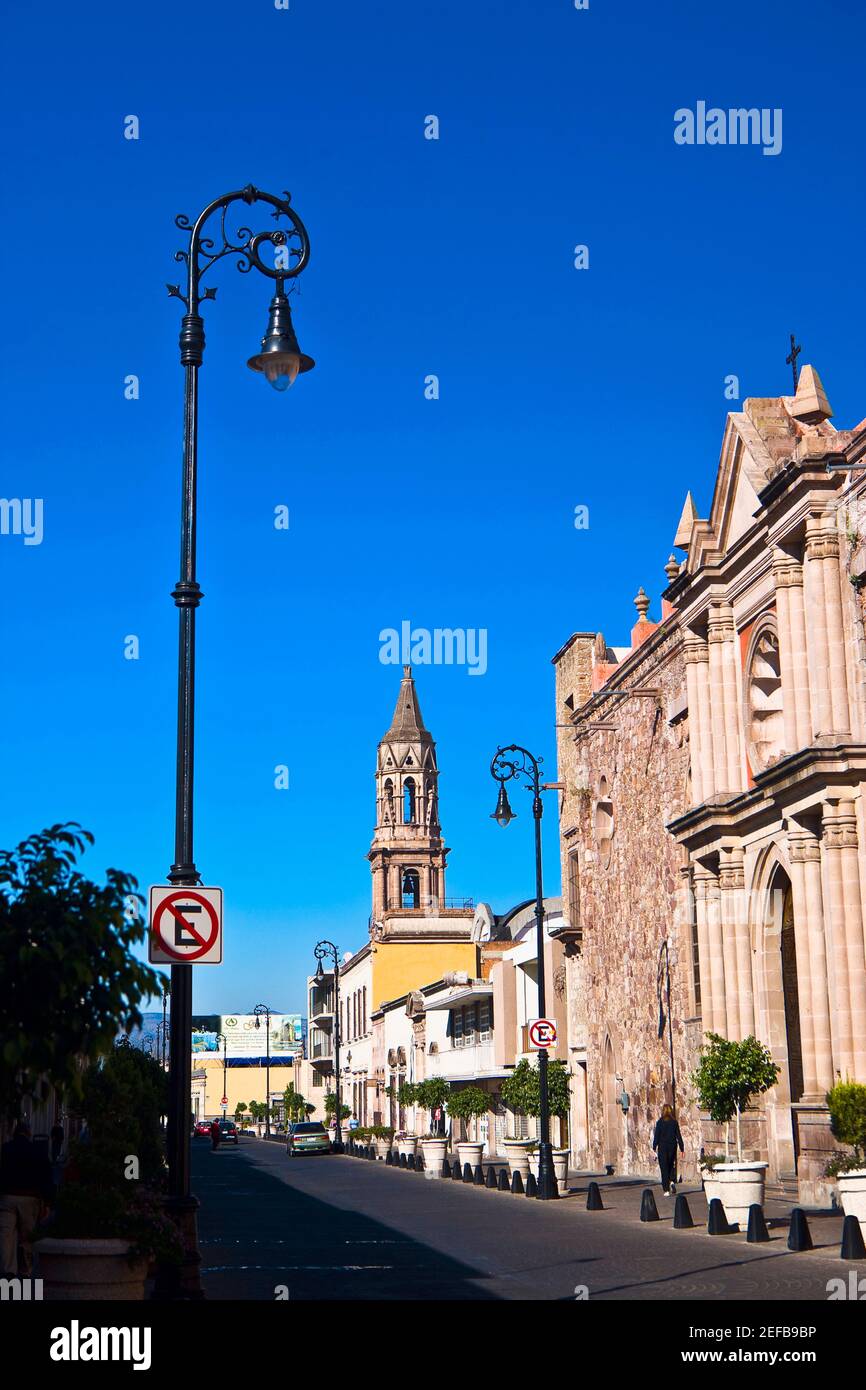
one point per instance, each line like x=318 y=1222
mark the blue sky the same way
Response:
x=558 y=387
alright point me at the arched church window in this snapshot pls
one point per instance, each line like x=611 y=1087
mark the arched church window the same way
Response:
x=411 y=888
x=765 y=727
x=389 y=801
x=603 y=823
x=409 y=801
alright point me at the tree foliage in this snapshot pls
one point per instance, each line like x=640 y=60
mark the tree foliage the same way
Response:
x=729 y=1074
x=847 y=1105
x=429 y=1094
x=331 y=1106
x=468 y=1103
x=521 y=1091
x=70 y=979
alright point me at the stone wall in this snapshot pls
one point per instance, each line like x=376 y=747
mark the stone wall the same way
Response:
x=626 y=777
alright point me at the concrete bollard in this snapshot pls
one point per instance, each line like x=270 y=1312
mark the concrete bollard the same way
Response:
x=682 y=1215
x=799 y=1235
x=456 y=1172
x=531 y=1184
x=717 y=1222
x=388 y=1159
x=503 y=1184
x=593 y=1198
x=757 y=1231
x=852 y=1240
x=491 y=1177
x=478 y=1176
x=517 y=1183
x=467 y=1172
x=403 y=1163
x=446 y=1168
x=648 y=1209
x=410 y=1161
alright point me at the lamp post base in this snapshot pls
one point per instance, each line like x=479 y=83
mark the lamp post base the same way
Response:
x=183 y=1281
x=548 y=1188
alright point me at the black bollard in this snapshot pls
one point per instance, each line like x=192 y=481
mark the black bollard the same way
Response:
x=717 y=1222
x=648 y=1209
x=410 y=1161
x=531 y=1184
x=456 y=1171
x=478 y=1176
x=682 y=1216
x=388 y=1158
x=371 y=1152
x=593 y=1198
x=799 y=1235
x=757 y=1231
x=491 y=1177
x=446 y=1168
x=403 y=1163
x=419 y=1163
x=503 y=1180
x=852 y=1240
x=467 y=1172
x=517 y=1183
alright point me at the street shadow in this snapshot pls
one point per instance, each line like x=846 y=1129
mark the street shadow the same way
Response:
x=262 y=1238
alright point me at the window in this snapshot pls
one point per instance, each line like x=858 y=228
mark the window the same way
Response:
x=364 y=1009
x=469 y=1026
x=409 y=801
x=765 y=725
x=318 y=1079
x=574 y=888
x=457 y=1027
x=485 y=1020
x=411 y=888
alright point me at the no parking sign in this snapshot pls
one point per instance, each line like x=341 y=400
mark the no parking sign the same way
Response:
x=186 y=926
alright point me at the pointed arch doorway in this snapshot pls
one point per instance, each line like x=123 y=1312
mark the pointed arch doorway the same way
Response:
x=610 y=1107
x=782 y=1022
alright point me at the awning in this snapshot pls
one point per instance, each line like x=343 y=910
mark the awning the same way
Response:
x=466 y=994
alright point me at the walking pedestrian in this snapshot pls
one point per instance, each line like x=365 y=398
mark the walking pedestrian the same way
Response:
x=666 y=1138
x=25 y=1192
x=215 y=1135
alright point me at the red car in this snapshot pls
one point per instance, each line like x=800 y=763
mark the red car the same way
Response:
x=202 y=1128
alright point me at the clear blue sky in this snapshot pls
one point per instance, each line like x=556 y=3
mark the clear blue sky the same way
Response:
x=559 y=387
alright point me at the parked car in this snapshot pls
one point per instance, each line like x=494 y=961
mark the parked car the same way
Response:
x=307 y=1137
x=228 y=1132
x=202 y=1128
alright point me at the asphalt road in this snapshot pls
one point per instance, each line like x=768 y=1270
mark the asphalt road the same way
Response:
x=333 y=1227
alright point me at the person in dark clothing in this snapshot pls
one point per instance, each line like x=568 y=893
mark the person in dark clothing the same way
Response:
x=25 y=1191
x=666 y=1138
x=215 y=1135
x=57 y=1137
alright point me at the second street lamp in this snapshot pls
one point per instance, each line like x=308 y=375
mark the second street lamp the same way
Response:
x=518 y=762
x=262 y=1011
x=326 y=950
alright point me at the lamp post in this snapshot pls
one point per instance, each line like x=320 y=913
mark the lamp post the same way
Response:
x=280 y=361
x=326 y=950
x=262 y=1011
x=221 y=1037
x=514 y=761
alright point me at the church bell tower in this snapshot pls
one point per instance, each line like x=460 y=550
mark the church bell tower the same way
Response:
x=408 y=854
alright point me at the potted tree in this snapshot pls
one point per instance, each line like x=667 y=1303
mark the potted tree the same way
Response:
x=728 y=1076
x=108 y=1222
x=240 y=1111
x=408 y=1095
x=383 y=1136
x=467 y=1104
x=847 y=1104
x=522 y=1092
x=432 y=1095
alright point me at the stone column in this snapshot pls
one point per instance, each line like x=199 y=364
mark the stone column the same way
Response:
x=724 y=699
x=700 y=729
x=825 y=630
x=731 y=884
x=809 y=928
x=737 y=944
x=793 y=663
x=710 y=945
x=848 y=958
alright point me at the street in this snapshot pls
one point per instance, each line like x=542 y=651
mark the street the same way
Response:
x=334 y=1227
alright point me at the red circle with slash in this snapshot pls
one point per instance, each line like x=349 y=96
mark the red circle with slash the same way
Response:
x=205 y=942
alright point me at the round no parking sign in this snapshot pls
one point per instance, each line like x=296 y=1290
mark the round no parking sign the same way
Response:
x=186 y=926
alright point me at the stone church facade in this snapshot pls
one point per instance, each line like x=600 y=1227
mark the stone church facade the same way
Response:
x=713 y=821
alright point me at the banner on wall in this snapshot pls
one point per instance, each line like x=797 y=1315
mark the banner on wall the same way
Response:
x=243 y=1038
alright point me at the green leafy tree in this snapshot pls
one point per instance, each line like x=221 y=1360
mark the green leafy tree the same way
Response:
x=70 y=979
x=728 y=1075
x=429 y=1095
x=469 y=1103
x=240 y=1111
x=847 y=1105
x=521 y=1091
x=331 y=1107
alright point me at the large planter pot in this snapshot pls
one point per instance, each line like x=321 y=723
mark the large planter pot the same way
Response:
x=560 y=1166
x=89 y=1270
x=518 y=1156
x=407 y=1145
x=852 y=1195
x=434 y=1150
x=469 y=1152
x=740 y=1186
x=383 y=1148
x=712 y=1188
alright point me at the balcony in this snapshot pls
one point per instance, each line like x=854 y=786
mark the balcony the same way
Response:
x=320 y=1049
x=322 y=1007
x=464 y=1063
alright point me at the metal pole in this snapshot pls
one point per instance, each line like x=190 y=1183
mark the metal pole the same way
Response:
x=338 y=1137
x=547 y=1185
x=268 y=1074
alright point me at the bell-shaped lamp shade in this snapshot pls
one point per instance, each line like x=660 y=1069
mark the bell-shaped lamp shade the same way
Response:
x=280 y=360
x=320 y=974
x=258 y=1021
x=503 y=815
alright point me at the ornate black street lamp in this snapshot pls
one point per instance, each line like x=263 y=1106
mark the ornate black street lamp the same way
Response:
x=326 y=950
x=262 y=1011
x=221 y=1038
x=521 y=764
x=280 y=360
